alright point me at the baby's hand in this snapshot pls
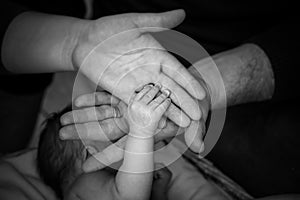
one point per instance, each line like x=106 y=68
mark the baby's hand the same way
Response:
x=145 y=110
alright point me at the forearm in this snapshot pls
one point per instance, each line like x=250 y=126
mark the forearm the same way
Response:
x=136 y=171
x=246 y=74
x=252 y=80
x=39 y=43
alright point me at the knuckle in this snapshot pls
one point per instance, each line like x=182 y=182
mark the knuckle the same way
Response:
x=156 y=101
x=99 y=96
x=101 y=110
x=147 y=96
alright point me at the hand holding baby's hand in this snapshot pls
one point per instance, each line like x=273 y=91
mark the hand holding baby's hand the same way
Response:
x=146 y=109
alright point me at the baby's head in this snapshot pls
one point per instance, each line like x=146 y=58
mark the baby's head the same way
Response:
x=59 y=162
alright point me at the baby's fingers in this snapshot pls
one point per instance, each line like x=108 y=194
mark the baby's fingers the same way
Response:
x=162 y=108
x=151 y=94
x=158 y=100
x=144 y=91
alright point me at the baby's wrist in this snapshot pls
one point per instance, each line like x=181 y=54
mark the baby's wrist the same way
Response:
x=141 y=133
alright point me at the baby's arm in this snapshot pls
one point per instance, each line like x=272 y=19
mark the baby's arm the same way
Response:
x=134 y=179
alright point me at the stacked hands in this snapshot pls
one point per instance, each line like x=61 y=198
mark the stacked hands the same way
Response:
x=118 y=54
x=146 y=109
x=112 y=120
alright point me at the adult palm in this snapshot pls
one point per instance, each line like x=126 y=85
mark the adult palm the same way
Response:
x=117 y=53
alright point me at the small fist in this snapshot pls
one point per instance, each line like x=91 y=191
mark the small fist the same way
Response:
x=146 y=108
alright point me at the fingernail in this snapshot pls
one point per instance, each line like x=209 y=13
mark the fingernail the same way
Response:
x=63 y=120
x=166 y=92
x=200 y=156
x=148 y=86
x=158 y=85
x=140 y=88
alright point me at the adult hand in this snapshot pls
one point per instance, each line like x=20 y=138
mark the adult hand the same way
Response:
x=105 y=122
x=121 y=61
x=116 y=53
x=194 y=134
x=102 y=117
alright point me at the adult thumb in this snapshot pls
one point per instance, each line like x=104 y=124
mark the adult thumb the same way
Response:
x=154 y=22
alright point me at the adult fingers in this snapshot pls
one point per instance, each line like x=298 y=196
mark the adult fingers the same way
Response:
x=177 y=116
x=173 y=68
x=101 y=131
x=164 y=20
x=161 y=109
x=90 y=114
x=97 y=98
x=193 y=136
x=110 y=155
x=181 y=98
